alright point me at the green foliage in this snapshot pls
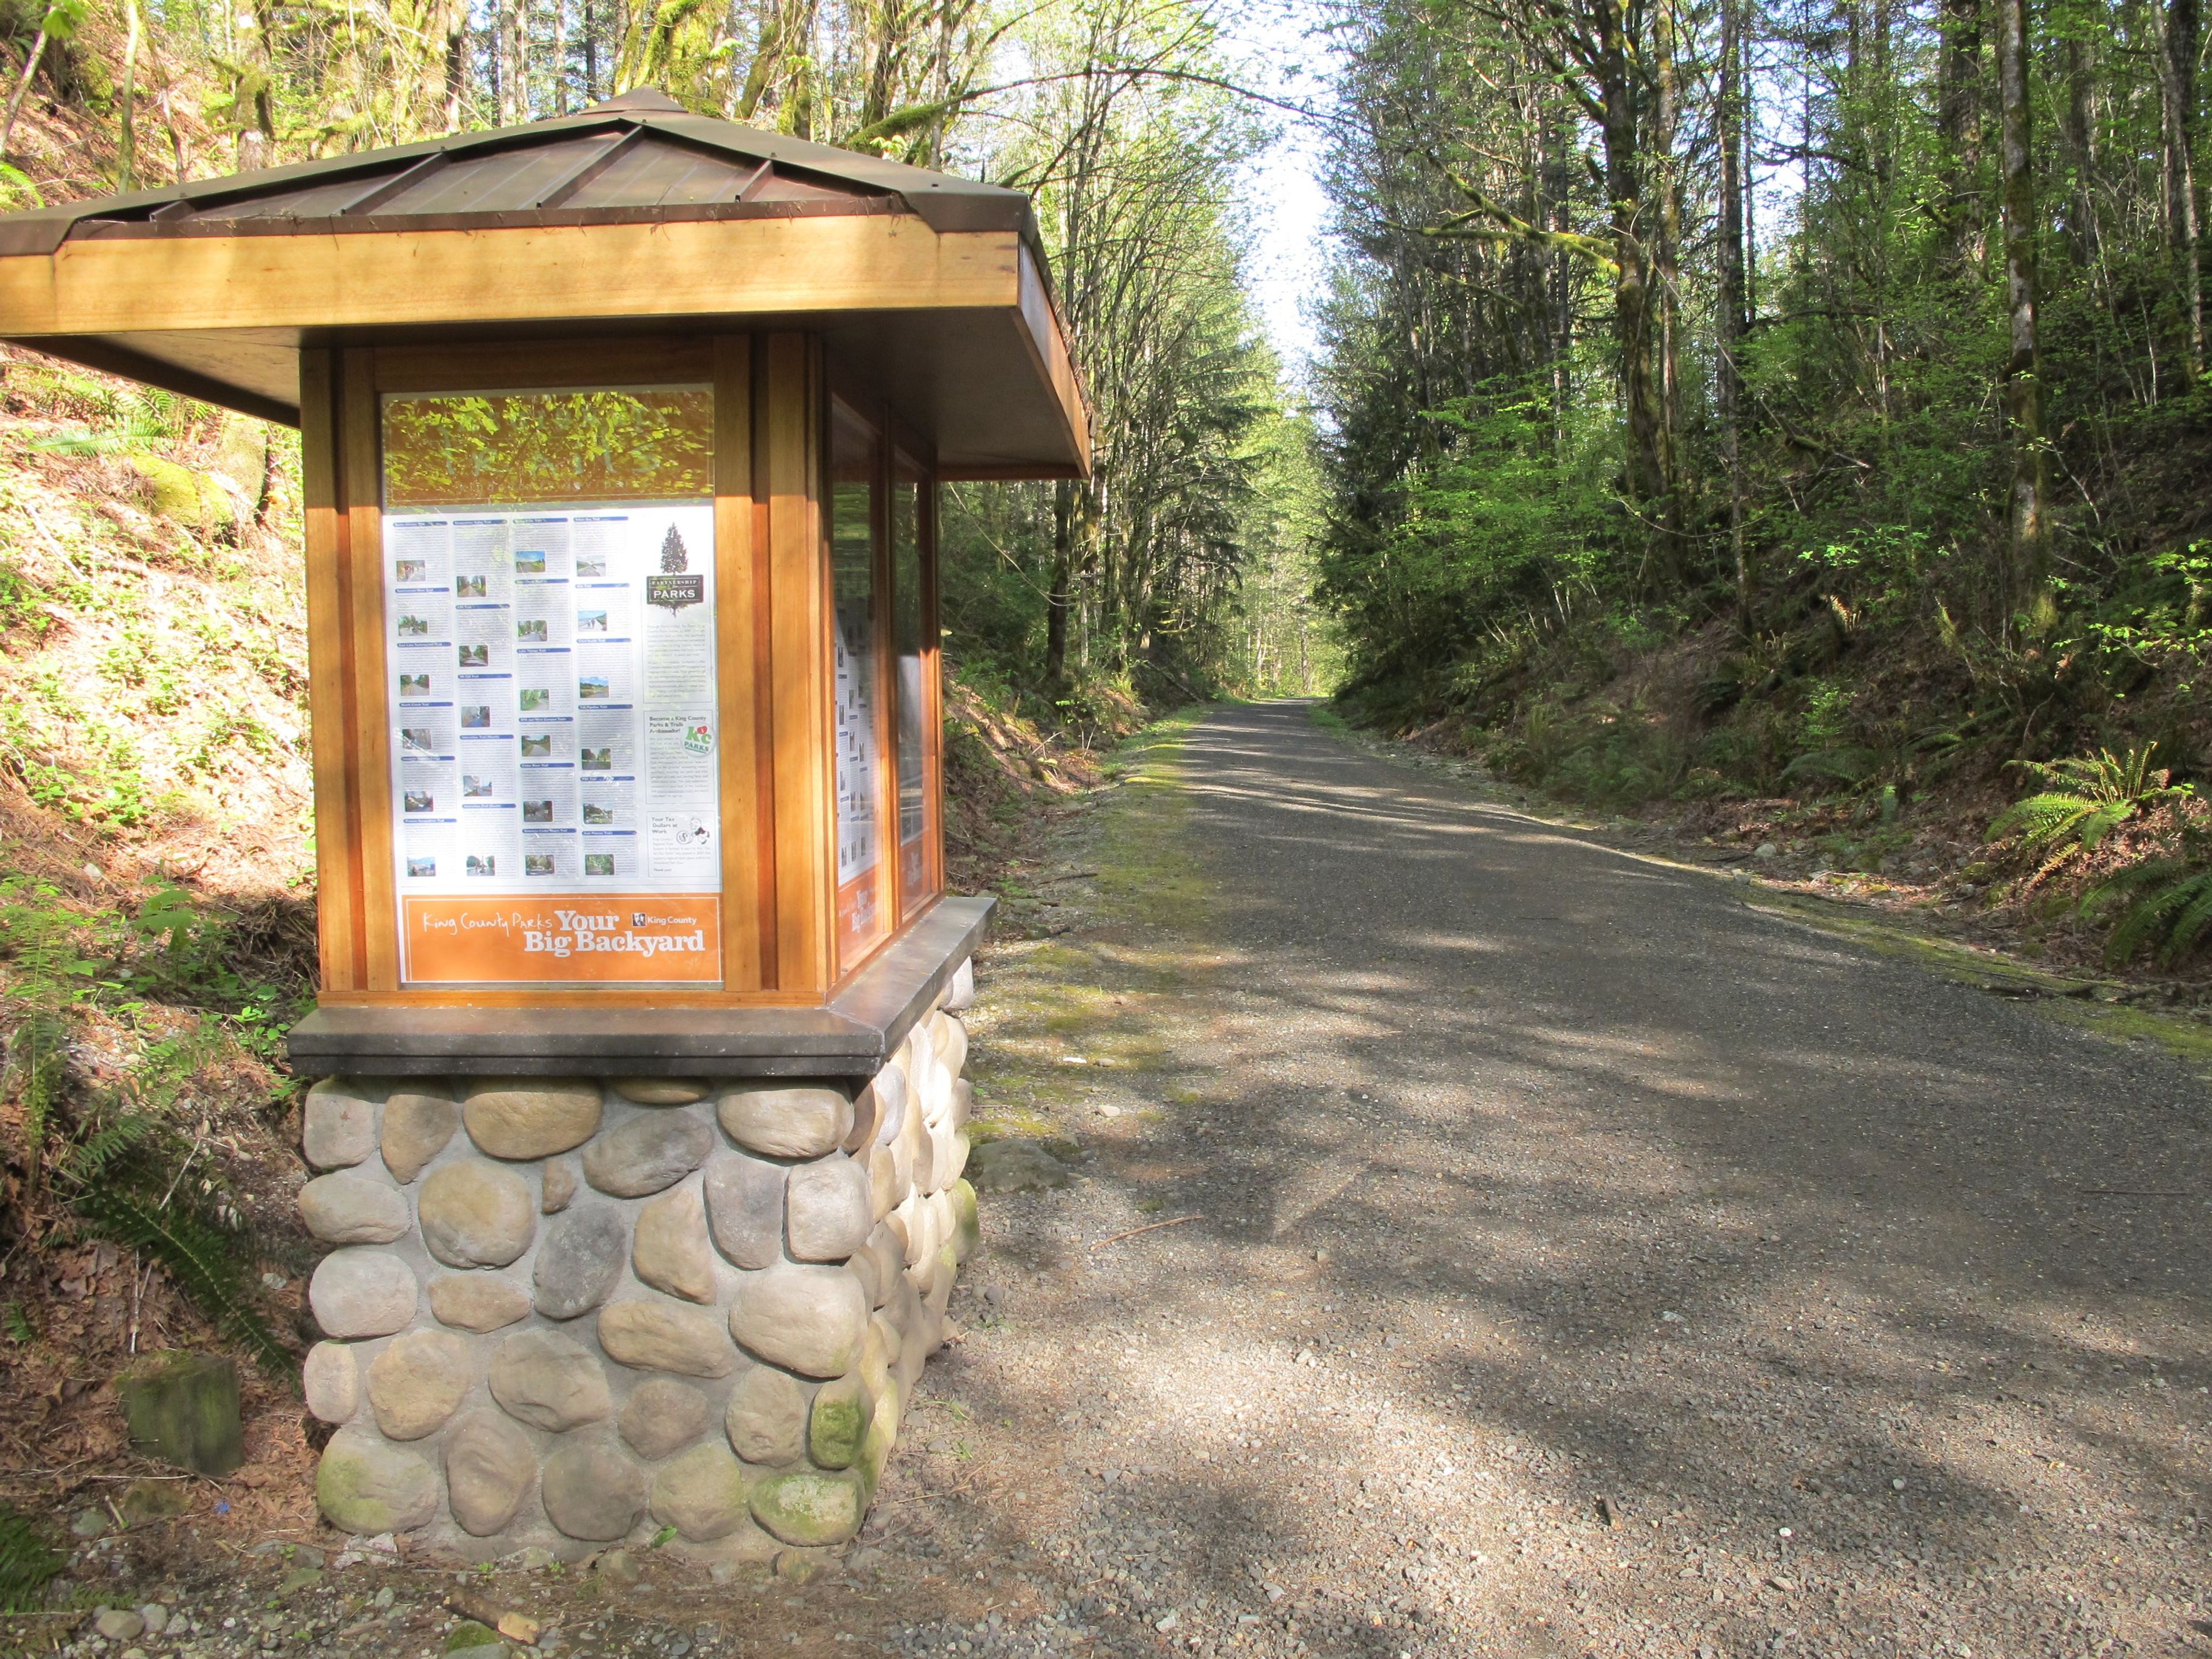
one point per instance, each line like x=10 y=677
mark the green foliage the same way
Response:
x=115 y=1157
x=2165 y=903
x=2087 y=797
x=27 y=1564
x=549 y=446
x=205 y=1261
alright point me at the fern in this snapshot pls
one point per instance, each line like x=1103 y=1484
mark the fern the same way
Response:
x=207 y=1265
x=2086 y=798
x=2171 y=907
x=27 y=1565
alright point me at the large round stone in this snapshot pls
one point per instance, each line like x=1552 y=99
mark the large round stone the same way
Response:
x=884 y=1194
x=352 y=1209
x=489 y=1463
x=549 y=1382
x=665 y=1336
x=831 y=1208
x=416 y=1127
x=477 y=1214
x=532 y=1117
x=659 y=1091
x=592 y=1490
x=766 y=1417
x=661 y=1415
x=925 y=1159
x=963 y=1103
x=918 y=1222
x=331 y=1381
x=888 y=1256
x=810 y=1507
x=838 y=1422
x=808 y=1319
x=960 y=994
x=1015 y=1166
x=671 y=1252
x=652 y=1150
x=477 y=1302
x=364 y=1484
x=784 y=1122
x=417 y=1382
x=951 y=1040
x=893 y=1097
x=338 y=1127
x=967 y=1219
x=702 y=1494
x=580 y=1259
x=956 y=1161
x=361 y=1292
x=744 y=1209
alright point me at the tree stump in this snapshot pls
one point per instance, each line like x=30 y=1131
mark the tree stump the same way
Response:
x=183 y=1408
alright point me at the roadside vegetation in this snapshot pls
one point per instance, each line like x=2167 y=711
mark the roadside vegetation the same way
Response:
x=1790 y=427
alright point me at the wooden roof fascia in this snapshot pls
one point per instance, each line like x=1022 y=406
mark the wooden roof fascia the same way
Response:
x=748 y=264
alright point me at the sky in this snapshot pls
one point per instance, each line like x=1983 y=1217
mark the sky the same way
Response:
x=1279 y=54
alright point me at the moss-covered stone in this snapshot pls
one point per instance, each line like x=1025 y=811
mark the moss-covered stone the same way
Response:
x=470 y=1638
x=195 y=499
x=365 y=1486
x=968 y=1224
x=839 y=1422
x=811 y=1507
x=183 y=1408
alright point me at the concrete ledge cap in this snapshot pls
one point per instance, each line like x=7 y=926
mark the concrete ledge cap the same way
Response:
x=852 y=1038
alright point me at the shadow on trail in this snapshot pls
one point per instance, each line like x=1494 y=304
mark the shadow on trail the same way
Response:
x=1624 y=1191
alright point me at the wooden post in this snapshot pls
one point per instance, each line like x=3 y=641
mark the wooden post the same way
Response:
x=799 y=671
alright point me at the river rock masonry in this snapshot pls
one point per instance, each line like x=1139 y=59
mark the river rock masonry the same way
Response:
x=569 y=1312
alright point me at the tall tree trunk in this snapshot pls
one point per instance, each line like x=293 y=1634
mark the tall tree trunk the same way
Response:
x=506 y=63
x=1059 y=592
x=2029 y=574
x=2181 y=29
x=457 y=62
x=1731 y=318
x=126 y=158
x=22 y=90
x=1959 y=122
x=560 y=56
x=1622 y=135
x=2080 y=146
x=1667 y=279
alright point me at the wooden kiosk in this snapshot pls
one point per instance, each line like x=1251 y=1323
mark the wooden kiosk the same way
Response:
x=639 y=1135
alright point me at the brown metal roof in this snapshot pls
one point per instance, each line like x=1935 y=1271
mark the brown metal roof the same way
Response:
x=631 y=217
x=639 y=158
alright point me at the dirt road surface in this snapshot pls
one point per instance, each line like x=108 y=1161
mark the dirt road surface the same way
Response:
x=1584 y=1262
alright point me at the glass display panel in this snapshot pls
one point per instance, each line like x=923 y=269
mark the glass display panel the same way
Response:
x=911 y=665
x=852 y=490
x=549 y=594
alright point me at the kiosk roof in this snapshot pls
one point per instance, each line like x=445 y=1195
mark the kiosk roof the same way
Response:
x=632 y=216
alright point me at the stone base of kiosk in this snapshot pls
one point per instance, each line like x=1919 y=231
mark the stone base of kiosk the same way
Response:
x=568 y=1311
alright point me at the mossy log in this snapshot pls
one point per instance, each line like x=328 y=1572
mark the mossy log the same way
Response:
x=183 y=1408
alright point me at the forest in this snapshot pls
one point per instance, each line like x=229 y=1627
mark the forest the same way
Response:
x=1798 y=404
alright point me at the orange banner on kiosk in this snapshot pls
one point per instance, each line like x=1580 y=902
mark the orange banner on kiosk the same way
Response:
x=599 y=938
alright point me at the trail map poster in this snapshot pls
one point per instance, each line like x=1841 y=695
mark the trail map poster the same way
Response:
x=556 y=798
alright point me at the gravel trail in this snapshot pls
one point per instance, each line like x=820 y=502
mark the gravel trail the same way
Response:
x=1582 y=1263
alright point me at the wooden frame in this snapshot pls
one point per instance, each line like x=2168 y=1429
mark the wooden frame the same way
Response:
x=774 y=623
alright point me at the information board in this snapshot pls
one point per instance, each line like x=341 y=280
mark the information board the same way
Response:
x=555 y=800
